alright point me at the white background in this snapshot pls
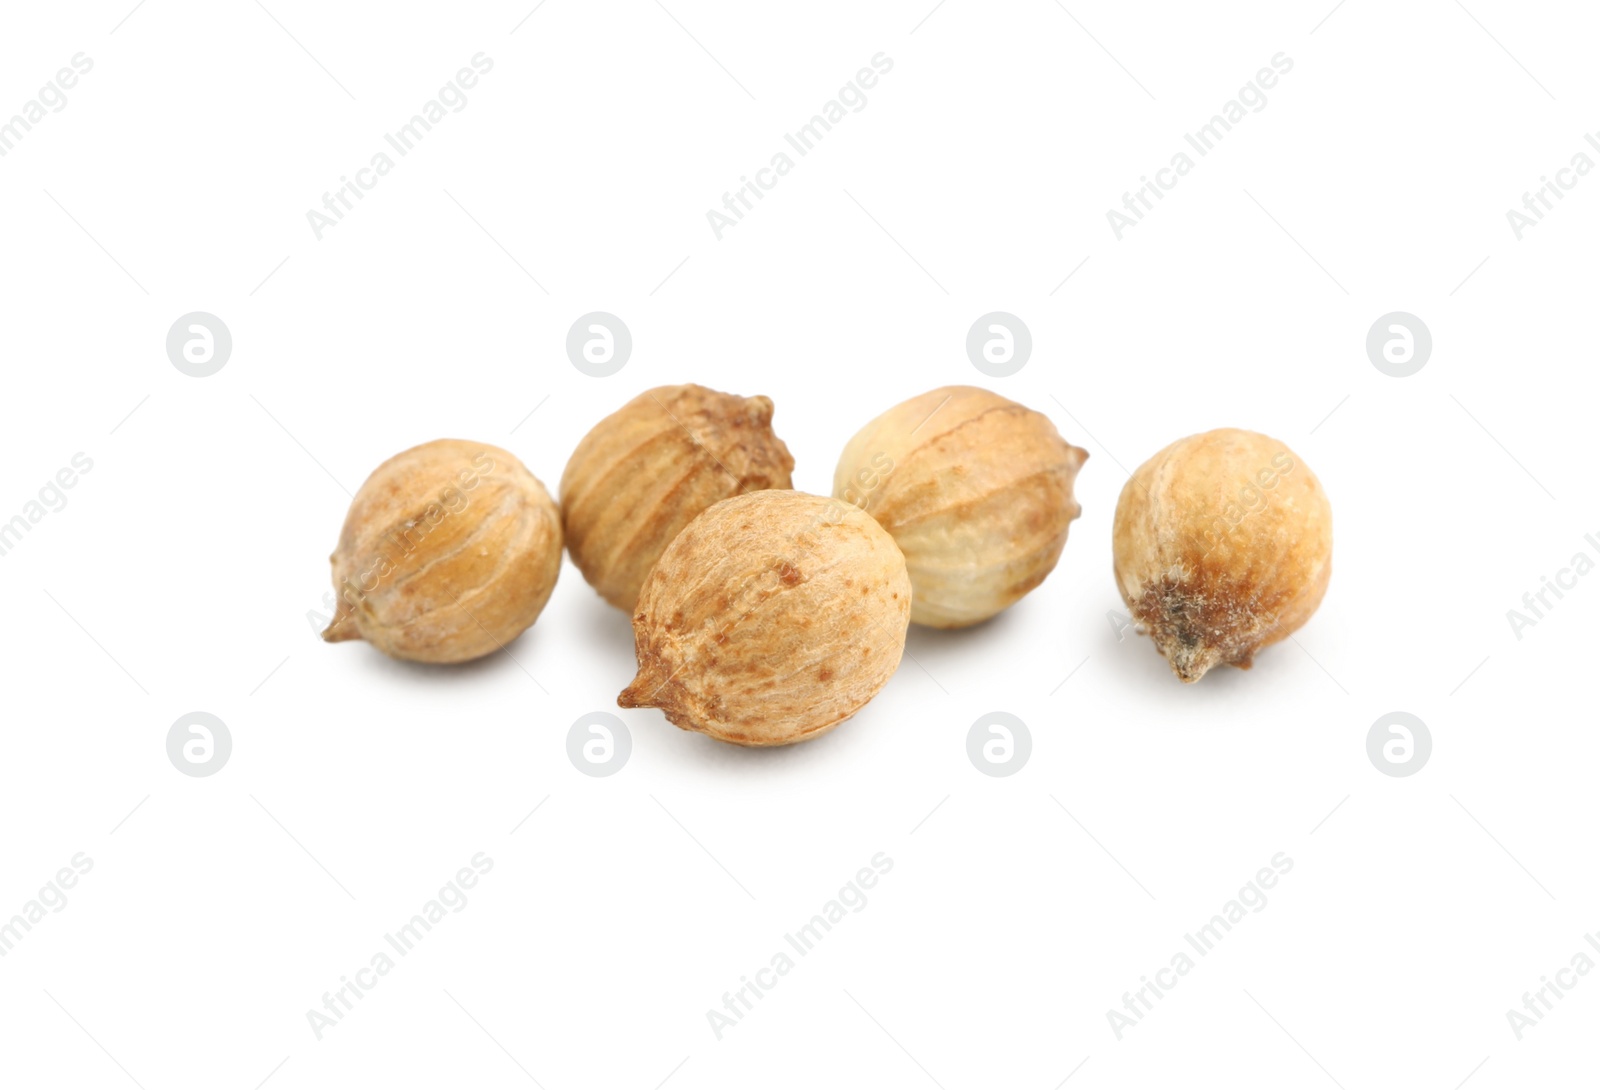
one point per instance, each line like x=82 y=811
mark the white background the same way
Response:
x=1019 y=910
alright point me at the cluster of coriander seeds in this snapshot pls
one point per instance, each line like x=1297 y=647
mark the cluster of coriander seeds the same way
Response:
x=764 y=616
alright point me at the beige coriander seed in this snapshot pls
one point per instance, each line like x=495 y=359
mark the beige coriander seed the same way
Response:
x=449 y=552
x=772 y=618
x=645 y=471
x=1222 y=544
x=974 y=488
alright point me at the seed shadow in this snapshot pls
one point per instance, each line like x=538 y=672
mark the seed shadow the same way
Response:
x=1161 y=700
x=516 y=657
x=939 y=653
x=718 y=756
x=604 y=626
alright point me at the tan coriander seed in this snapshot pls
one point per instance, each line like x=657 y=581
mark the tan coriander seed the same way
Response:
x=450 y=551
x=1222 y=544
x=975 y=489
x=645 y=471
x=772 y=618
